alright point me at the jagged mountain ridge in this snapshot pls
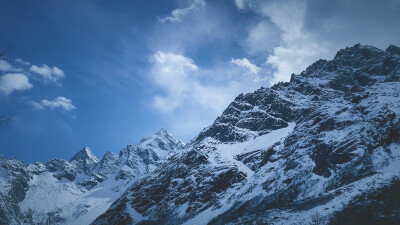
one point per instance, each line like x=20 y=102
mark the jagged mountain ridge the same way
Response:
x=307 y=151
x=78 y=190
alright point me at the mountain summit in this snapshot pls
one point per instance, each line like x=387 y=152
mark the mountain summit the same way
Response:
x=162 y=140
x=85 y=154
x=85 y=160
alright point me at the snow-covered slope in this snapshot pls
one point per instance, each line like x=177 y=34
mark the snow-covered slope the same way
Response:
x=323 y=148
x=79 y=190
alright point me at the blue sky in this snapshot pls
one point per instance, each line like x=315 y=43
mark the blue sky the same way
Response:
x=105 y=74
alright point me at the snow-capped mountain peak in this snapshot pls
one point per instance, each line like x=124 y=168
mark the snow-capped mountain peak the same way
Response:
x=85 y=160
x=85 y=154
x=162 y=141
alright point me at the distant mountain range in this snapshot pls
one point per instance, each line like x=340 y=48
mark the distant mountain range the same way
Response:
x=323 y=148
x=79 y=190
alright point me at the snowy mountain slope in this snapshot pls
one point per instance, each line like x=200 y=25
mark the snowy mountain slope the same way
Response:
x=323 y=148
x=79 y=190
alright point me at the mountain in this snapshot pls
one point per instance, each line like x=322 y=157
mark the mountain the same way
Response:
x=323 y=148
x=78 y=190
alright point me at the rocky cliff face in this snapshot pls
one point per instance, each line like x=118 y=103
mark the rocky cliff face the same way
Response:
x=323 y=148
x=79 y=190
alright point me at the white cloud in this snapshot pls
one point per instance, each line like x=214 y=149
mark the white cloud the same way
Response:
x=240 y=4
x=22 y=62
x=170 y=72
x=177 y=14
x=186 y=88
x=262 y=37
x=294 y=57
x=47 y=73
x=5 y=66
x=36 y=105
x=59 y=102
x=14 y=82
x=183 y=85
x=246 y=64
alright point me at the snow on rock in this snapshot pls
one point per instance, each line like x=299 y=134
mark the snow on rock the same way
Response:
x=85 y=160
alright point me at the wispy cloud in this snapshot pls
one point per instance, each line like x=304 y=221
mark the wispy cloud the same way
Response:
x=262 y=37
x=247 y=65
x=14 y=82
x=241 y=4
x=59 y=102
x=36 y=105
x=177 y=14
x=48 y=74
x=22 y=62
x=5 y=66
